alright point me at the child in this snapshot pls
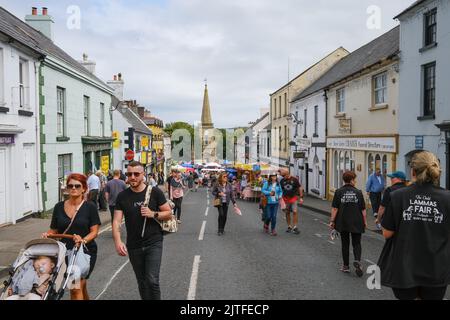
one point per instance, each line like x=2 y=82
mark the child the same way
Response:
x=36 y=278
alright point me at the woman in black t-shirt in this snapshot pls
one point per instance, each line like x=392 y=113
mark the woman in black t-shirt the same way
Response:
x=84 y=227
x=415 y=260
x=348 y=217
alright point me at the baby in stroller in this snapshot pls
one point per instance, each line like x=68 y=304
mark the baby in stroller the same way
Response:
x=32 y=281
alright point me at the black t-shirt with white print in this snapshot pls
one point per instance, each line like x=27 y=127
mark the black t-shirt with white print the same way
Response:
x=350 y=204
x=130 y=202
x=290 y=187
x=420 y=254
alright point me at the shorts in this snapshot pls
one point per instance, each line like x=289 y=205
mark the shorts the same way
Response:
x=291 y=207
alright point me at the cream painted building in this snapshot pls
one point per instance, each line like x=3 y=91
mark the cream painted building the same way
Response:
x=362 y=112
x=280 y=105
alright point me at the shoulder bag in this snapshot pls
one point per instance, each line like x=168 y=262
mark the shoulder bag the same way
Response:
x=167 y=226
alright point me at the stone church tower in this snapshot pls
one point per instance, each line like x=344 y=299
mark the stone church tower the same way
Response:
x=207 y=131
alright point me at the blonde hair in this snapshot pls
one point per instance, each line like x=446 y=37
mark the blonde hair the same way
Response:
x=426 y=168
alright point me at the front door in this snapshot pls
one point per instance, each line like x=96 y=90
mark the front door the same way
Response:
x=28 y=179
x=3 y=184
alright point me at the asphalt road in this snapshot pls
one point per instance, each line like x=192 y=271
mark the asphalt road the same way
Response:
x=244 y=264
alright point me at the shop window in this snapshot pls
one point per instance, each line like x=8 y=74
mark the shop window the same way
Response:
x=336 y=169
x=341 y=167
x=370 y=165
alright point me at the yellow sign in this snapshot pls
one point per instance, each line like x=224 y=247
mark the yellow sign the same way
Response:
x=144 y=157
x=144 y=141
x=116 y=137
x=105 y=164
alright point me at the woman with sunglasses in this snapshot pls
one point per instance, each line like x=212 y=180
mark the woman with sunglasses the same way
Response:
x=79 y=218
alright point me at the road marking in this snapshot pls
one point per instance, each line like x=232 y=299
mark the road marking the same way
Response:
x=371 y=262
x=202 y=231
x=331 y=242
x=318 y=235
x=111 y=280
x=206 y=211
x=194 y=277
x=108 y=228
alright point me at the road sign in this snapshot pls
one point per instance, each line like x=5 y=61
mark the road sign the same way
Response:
x=129 y=155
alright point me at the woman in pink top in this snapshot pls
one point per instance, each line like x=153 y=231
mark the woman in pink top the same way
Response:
x=176 y=194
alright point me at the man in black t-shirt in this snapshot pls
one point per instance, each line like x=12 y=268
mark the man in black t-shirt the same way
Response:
x=144 y=247
x=292 y=190
x=171 y=176
x=398 y=180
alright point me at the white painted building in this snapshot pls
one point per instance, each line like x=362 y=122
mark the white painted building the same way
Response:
x=424 y=115
x=308 y=132
x=257 y=129
x=74 y=121
x=20 y=192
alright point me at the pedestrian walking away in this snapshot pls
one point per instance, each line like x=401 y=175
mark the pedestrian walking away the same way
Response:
x=112 y=190
x=415 y=260
x=348 y=217
x=169 y=180
x=272 y=191
x=94 y=186
x=223 y=193
x=176 y=194
x=143 y=248
x=374 y=188
x=79 y=218
x=292 y=190
x=102 y=203
x=398 y=181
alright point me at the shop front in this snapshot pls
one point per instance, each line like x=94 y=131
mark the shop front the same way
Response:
x=361 y=154
x=97 y=154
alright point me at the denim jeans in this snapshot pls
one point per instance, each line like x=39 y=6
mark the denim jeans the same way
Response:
x=146 y=264
x=271 y=214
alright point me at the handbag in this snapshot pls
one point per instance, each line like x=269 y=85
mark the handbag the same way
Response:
x=167 y=226
x=82 y=262
x=217 y=202
x=263 y=200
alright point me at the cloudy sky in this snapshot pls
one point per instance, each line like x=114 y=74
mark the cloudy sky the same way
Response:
x=166 y=48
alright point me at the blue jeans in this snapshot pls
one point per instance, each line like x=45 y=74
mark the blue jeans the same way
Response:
x=271 y=214
x=146 y=264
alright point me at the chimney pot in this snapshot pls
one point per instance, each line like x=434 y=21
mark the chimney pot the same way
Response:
x=44 y=11
x=120 y=76
x=34 y=11
x=115 y=78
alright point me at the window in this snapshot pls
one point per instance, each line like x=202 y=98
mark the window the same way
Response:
x=1 y=79
x=341 y=167
x=430 y=27
x=336 y=169
x=340 y=100
x=279 y=108
x=86 y=116
x=285 y=104
x=380 y=88
x=305 y=121
x=316 y=121
x=64 y=169
x=370 y=165
x=275 y=108
x=279 y=139
x=23 y=84
x=102 y=119
x=317 y=172
x=429 y=89
x=61 y=110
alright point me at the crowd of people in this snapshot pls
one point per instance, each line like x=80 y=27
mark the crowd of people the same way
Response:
x=414 y=218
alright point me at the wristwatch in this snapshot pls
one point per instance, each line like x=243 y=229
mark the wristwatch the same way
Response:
x=156 y=215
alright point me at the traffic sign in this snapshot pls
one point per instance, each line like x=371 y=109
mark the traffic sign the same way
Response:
x=129 y=155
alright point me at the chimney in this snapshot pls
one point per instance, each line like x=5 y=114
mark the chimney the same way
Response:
x=42 y=23
x=89 y=65
x=141 y=112
x=117 y=85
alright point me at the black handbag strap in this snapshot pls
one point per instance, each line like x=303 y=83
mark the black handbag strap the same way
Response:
x=73 y=218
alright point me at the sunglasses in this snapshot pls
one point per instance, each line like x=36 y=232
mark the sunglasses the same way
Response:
x=76 y=186
x=136 y=174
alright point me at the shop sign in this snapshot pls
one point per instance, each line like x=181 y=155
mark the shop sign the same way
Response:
x=345 y=126
x=6 y=139
x=377 y=144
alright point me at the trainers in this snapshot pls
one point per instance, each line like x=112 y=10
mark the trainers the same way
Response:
x=273 y=233
x=179 y=221
x=345 y=269
x=289 y=230
x=295 y=230
x=266 y=228
x=358 y=269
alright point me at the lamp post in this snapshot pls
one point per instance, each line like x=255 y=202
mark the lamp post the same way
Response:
x=445 y=128
x=293 y=118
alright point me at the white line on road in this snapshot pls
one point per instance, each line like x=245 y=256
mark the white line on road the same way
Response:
x=206 y=211
x=194 y=277
x=318 y=235
x=202 y=231
x=112 y=279
x=371 y=262
x=331 y=242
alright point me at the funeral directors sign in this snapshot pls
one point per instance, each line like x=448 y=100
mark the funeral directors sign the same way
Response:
x=378 y=144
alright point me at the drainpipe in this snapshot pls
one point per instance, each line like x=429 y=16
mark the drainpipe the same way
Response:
x=325 y=171
x=38 y=138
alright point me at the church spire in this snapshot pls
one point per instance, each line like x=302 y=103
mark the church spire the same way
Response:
x=206 y=111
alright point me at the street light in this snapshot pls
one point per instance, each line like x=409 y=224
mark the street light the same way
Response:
x=292 y=117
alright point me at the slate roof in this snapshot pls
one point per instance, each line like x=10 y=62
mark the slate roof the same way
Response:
x=23 y=33
x=409 y=8
x=383 y=47
x=135 y=121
